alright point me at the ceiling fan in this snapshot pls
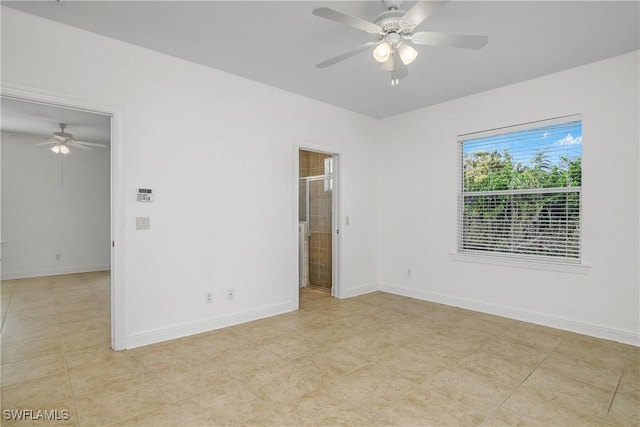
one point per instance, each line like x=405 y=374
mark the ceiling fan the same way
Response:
x=394 y=35
x=62 y=141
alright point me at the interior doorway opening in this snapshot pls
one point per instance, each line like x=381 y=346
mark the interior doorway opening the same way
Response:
x=316 y=221
x=68 y=150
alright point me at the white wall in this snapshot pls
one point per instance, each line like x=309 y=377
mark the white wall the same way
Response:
x=417 y=222
x=219 y=152
x=53 y=204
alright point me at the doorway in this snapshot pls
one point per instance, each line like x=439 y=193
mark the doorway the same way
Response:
x=74 y=181
x=316 y=223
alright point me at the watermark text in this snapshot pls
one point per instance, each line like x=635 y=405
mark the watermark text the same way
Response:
x=36 y=414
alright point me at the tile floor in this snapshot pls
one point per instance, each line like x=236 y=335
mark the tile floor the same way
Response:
x=372 y=360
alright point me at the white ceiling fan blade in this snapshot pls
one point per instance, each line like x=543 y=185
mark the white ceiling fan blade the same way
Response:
x=75 y=145
x=91 y=144
x=28 y=135
x=46 y=143
x=461 y=41
x=345 y=55
x=421 y=11
x=343 y=18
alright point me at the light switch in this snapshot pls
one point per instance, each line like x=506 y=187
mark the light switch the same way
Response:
x=143 y=223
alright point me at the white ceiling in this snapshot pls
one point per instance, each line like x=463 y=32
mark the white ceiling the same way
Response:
x=19 y=117
x=278 y=43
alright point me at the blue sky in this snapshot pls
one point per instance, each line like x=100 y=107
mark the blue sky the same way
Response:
x=556 y=141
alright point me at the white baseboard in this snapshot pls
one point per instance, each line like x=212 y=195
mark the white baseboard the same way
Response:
x=626 y=337
x=359 y=290
x=180 y=331
x=54 y=271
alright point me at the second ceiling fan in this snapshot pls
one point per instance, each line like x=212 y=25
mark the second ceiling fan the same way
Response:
x=61 y=141
x=394 y=35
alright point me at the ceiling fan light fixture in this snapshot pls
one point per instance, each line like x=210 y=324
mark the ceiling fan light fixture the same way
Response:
x=407 y=53
x=382 y=51
x=60 y=149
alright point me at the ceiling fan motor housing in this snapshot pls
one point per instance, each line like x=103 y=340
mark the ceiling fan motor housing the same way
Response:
x=391 y=22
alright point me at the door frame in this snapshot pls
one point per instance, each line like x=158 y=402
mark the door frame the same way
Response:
x=117 y=217
x=335 y=212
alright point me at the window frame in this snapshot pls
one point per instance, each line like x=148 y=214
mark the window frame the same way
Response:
x=535 y=261
x=328 y=170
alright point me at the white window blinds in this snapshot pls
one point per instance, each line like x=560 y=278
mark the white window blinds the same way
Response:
x=519 y=191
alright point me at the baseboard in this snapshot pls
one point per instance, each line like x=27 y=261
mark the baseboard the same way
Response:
x=55 y=271
x=359 y=290
x=180 y=331
x=626 y=337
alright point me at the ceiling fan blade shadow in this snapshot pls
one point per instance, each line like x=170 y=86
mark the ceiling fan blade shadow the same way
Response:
x=343 y=18
x=461 y=41
x=400 y=70
x=421 y=11
x=345 y=55
x=389 y=64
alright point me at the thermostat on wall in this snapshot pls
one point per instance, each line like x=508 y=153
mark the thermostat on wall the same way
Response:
x=144 y=195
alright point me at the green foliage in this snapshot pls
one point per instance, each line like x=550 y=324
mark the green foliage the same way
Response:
x=541 y=223
x=491 y=171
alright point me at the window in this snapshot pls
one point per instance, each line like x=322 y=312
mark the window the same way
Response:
x=328 y=170
x=520 y=189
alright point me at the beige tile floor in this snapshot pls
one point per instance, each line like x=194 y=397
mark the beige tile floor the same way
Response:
x=372 y=360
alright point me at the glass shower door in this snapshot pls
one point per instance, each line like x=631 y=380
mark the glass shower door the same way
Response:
x=319 y=215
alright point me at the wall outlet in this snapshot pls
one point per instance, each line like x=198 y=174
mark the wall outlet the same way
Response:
x=408 y=272
x=208 y=298
x=58 y=257
x=230 y=293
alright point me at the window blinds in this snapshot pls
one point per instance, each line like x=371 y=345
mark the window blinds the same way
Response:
x=520 y=191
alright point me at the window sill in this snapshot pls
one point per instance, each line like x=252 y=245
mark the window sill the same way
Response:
x=522 y=263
